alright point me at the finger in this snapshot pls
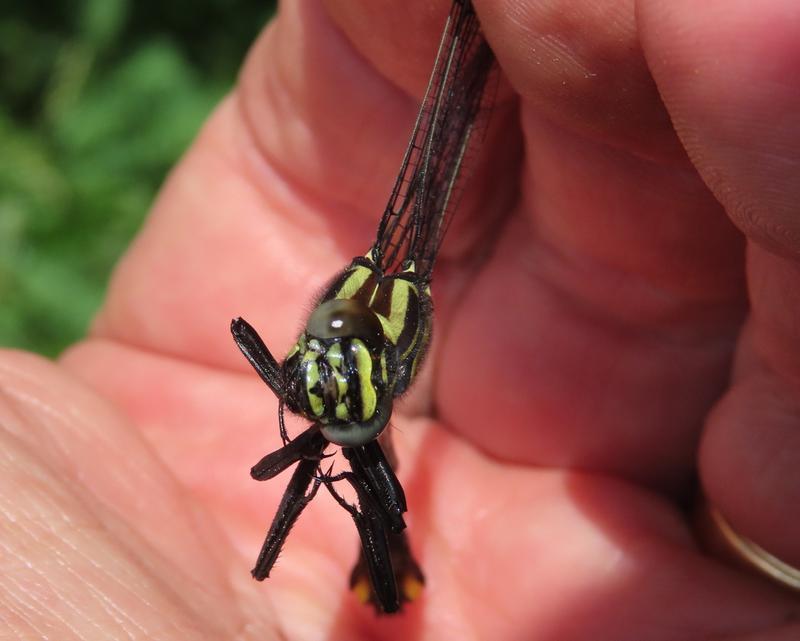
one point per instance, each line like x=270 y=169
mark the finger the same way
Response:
x=728 y=81
x=738 y=120
x=98 y=539
x=528 y=553
x=600 y=331
x=579 y=64
x=751 y=445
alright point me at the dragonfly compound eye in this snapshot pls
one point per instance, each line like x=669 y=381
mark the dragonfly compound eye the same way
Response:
x=341 y=318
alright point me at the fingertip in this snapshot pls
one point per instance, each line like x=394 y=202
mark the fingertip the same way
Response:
x=727 y=71
x=579 y=63
x=748 y=463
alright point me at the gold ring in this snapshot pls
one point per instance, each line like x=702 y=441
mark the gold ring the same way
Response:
x=720 y=536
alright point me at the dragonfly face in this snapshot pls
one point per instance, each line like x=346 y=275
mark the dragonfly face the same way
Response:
x=362 y=346
x=337 y=373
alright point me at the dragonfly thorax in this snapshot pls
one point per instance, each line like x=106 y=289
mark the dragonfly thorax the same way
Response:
x=338 y=375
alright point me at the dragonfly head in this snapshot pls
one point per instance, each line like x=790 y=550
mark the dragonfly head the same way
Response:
x=337 y=373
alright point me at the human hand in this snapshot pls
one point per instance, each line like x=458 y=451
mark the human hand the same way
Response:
x=573 y=371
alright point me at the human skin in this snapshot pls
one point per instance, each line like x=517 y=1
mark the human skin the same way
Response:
x=635 y=326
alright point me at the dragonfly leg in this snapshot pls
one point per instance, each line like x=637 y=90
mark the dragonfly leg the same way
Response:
x=281 y=421
x=309 y=445
x=294 y=500
x=377 y=475
x=371 y=467
x=378 y=585
x=256 y=352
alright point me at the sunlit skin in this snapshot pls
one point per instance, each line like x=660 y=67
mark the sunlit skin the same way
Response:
x=580 y=374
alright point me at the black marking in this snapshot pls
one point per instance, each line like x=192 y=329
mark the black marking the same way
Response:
x=350 y=368
x=327 y=388
x=382 y=303
x=410 y=333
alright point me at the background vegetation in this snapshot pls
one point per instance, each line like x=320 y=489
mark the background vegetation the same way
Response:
x=98 y=98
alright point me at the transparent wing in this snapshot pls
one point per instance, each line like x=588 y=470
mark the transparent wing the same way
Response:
x=444 y=140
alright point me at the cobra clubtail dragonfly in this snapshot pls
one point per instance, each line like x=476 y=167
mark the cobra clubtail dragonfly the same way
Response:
x=368 y=334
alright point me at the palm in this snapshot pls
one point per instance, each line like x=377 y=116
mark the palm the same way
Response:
x=550 y=355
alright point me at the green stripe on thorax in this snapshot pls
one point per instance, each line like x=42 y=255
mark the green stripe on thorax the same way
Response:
x=359 y=274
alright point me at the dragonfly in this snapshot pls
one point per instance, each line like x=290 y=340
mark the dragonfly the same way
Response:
x=367 y=336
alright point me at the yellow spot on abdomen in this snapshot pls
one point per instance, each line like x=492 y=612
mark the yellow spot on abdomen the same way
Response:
x=412 y=587
x=362 y=590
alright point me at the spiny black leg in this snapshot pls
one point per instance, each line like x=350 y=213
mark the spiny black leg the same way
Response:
x=308 y=445
x=328 y=478
x=371 y=525
x=371 y=467
x=257 y=353
x=292 y=504
x=375 y=546
x=281 y=424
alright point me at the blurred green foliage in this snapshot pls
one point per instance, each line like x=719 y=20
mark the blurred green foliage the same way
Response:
x=98 y=98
